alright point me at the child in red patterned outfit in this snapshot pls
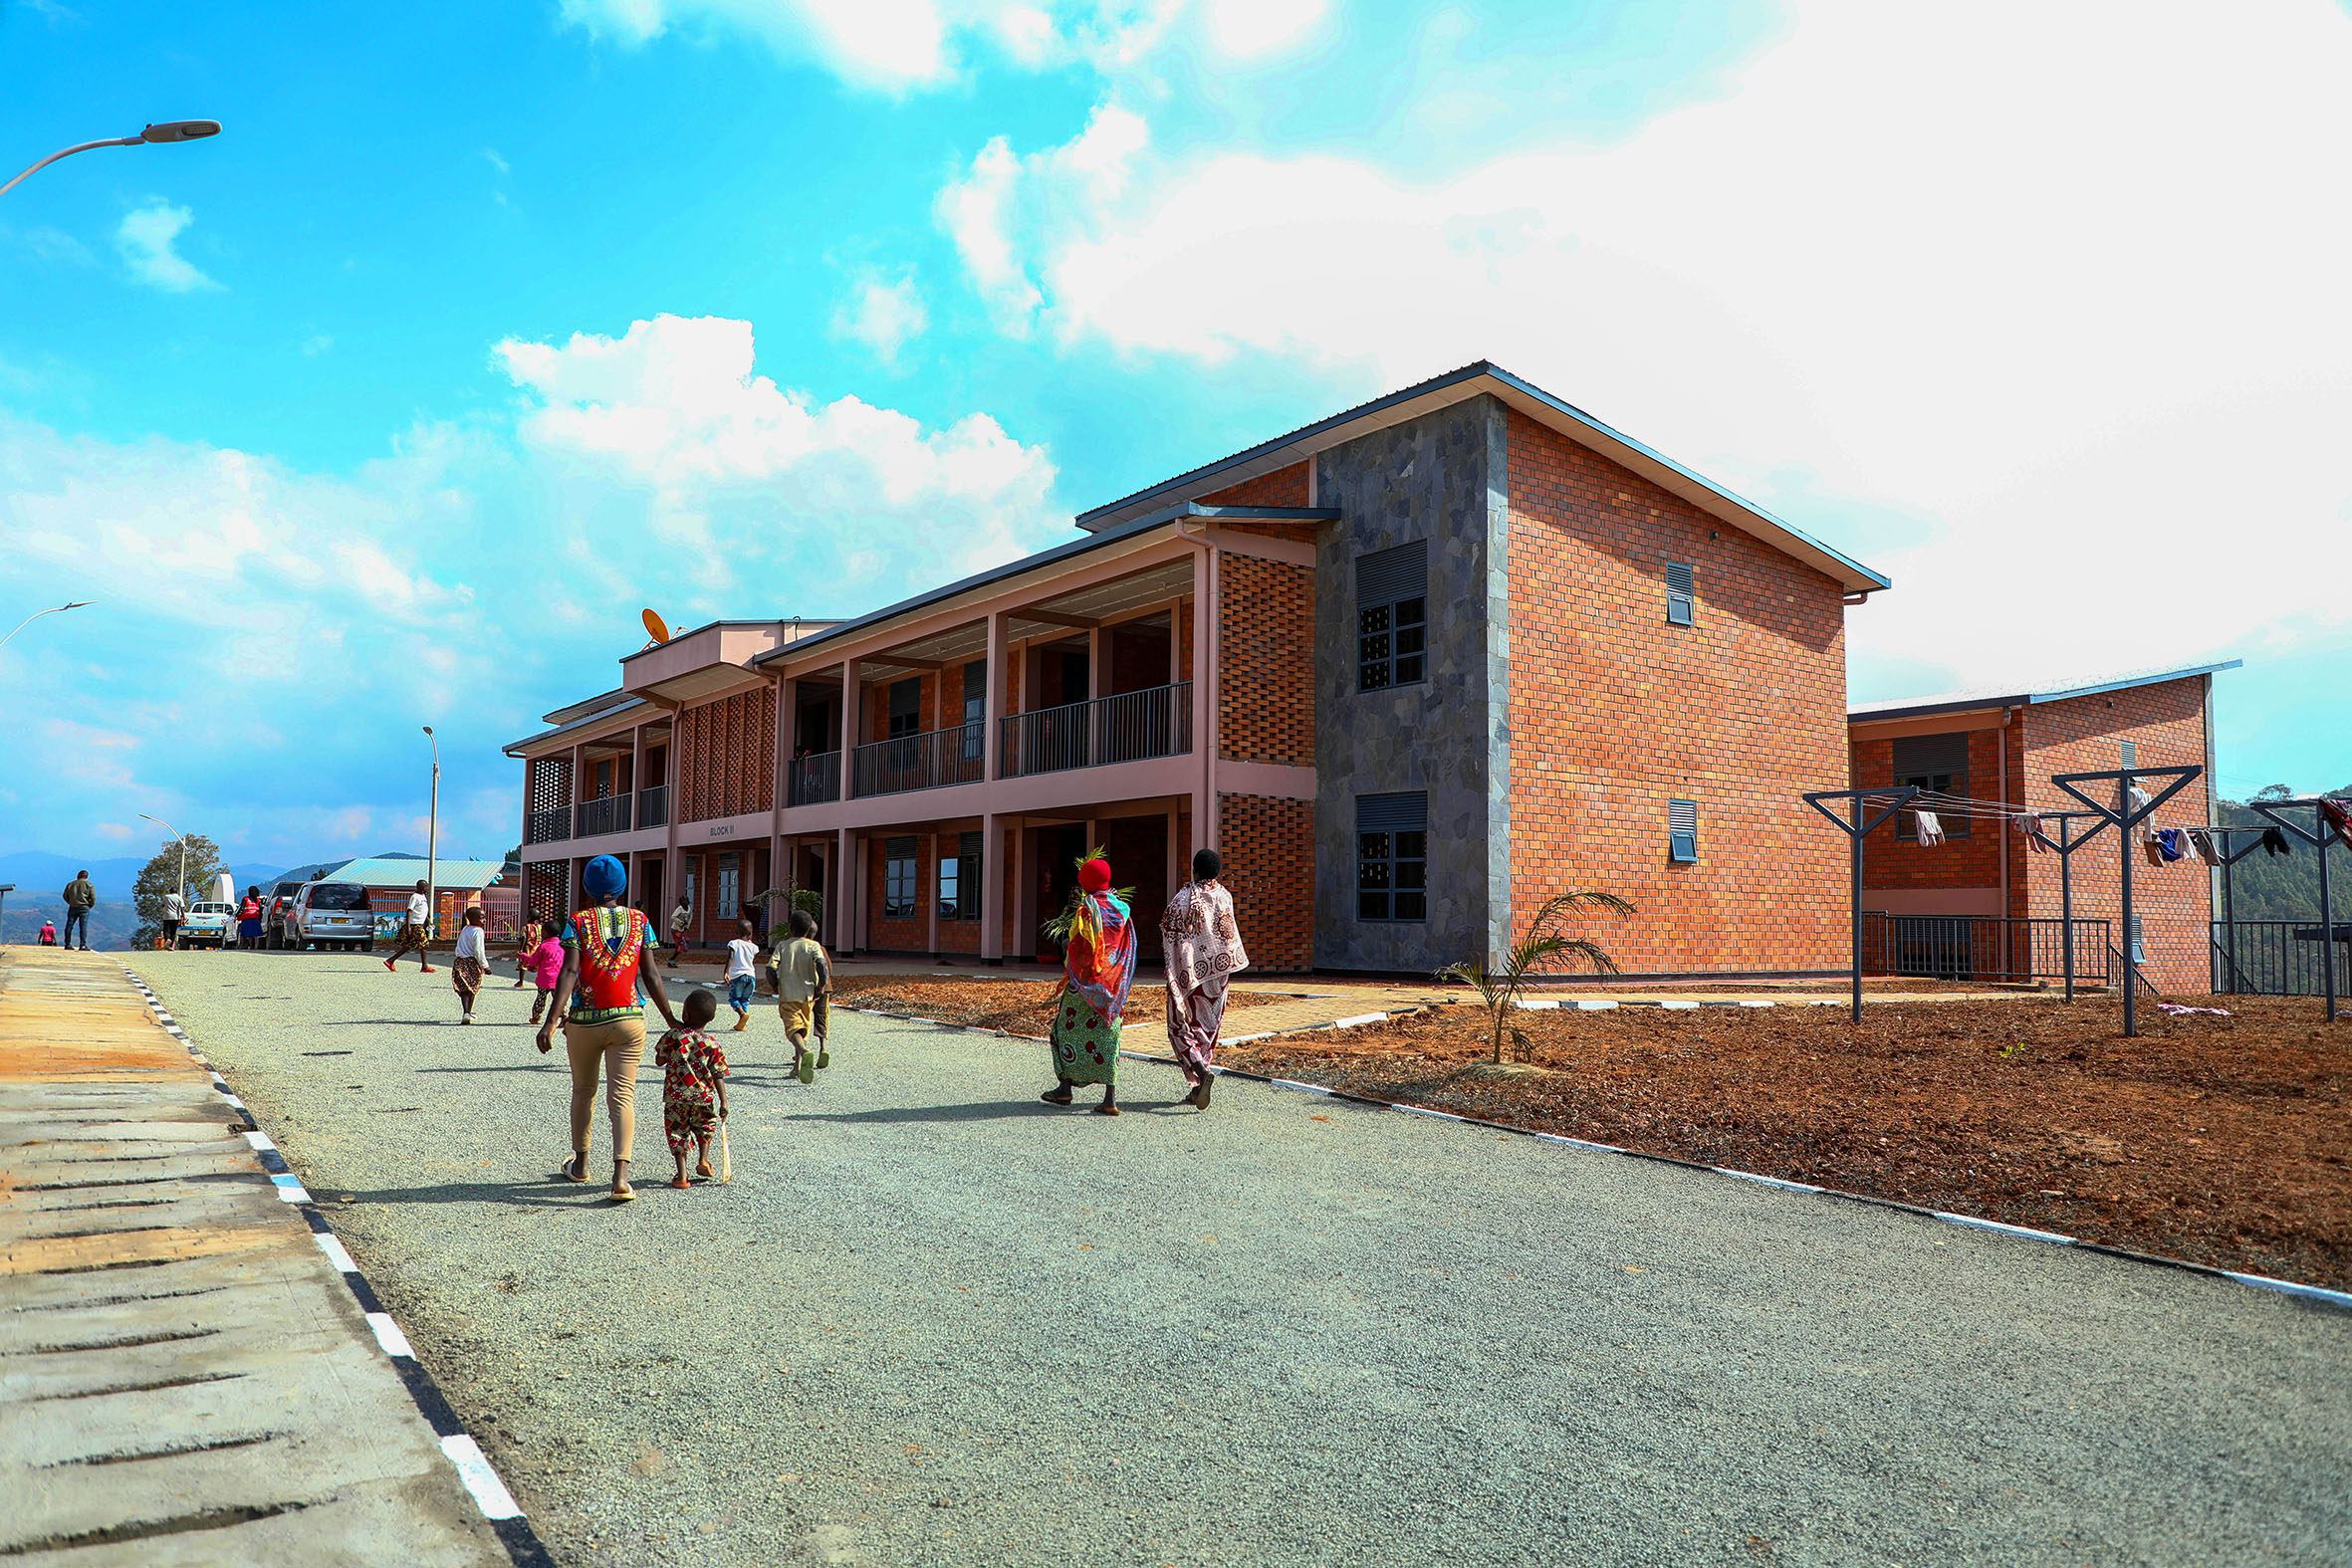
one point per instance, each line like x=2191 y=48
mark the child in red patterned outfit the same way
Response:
x=693 y=1085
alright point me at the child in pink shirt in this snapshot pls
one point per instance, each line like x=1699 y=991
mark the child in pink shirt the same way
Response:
x=545 y=963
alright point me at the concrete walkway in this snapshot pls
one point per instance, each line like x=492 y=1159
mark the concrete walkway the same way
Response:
x=934 y=1322
x=184 y=1377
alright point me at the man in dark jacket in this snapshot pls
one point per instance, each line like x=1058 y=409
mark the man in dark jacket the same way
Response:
x=80 y=896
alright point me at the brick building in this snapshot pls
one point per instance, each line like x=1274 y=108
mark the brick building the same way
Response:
x=1411 y=669
x=2003 y=747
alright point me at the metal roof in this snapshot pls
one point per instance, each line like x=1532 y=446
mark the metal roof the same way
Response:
x=1473 y=380
x=2008 y=697
x=515 y=747
x=380 y=872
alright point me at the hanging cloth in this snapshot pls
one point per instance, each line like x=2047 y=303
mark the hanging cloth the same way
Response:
x=2140 y=798
x=1930 y=830
x=2036 y=839
x=2332 y=812
x=2275 y=843
x=2201 y=842
x=2154 y=849
x=2167 y=843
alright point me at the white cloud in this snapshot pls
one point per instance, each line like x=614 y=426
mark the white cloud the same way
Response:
x=881 y=312
x=317 y=342
x=1246 y=29
x=491 y=156
x=147 y=239
x=119 y=831
x=2072 y=302
x=896 y=46
x=729 y=462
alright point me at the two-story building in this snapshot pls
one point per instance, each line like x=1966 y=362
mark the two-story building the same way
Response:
x=1411 y=669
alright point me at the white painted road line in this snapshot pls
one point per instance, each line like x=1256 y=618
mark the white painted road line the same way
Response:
x=389 y=1335
x=260 y=1140
x=1360 y=1020
x=473 y=1467
x=335 y=1251
x=2006 y=1229
x=289 y=1189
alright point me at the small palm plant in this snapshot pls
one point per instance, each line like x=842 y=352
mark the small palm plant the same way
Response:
x=1500 y=990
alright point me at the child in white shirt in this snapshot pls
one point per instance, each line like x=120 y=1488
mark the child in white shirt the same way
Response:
x=743 y=958
x=471 y=959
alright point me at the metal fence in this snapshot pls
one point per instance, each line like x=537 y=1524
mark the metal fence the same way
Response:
x=2278 y=958
x=814 y=779
x=610 y=814
x=653 y=806
x=547 y=827
x=920 y=761
x=1983 y=948
x=1127 y=728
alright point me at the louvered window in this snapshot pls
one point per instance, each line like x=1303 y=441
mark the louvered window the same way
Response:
x=959 y=880
x=1392 y=856
x=2139 y=939
x=1392 y=617
x=1682 y=593
x=1682 y=831
x=899 y=880
x=1938 y=764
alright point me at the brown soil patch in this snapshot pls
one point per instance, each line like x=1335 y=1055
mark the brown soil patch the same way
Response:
x=1018 y=1006
x=2226 y=1141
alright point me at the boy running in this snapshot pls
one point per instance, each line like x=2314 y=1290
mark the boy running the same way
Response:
x=693 y=1086
x=803 y=974
x=414 y=930
x=743 y=958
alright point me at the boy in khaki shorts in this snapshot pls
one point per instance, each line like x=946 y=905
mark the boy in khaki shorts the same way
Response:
x=803 y=974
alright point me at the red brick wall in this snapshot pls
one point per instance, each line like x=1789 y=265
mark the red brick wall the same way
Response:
x=729 y=747
x=900 y=935
x=1285 y=487
x=1890 y=859
x=877 y=707
x=1613 y=713
x=1269 y=849
x=1266 y=656
x=2166 y=724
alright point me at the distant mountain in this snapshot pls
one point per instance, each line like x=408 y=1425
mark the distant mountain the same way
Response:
x=110 y=922
x=43 y=875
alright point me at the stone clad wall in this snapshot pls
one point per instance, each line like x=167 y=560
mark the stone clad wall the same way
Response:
x=1438 y=478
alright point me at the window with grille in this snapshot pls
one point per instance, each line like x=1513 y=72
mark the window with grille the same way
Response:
x=1392 y=617
x=1682 y=593
x=975 y=710
x=1938 y=764
x=1392 y=856
x=1682 y=831
x=959 y=880
x=899 y=880
x=729 y=872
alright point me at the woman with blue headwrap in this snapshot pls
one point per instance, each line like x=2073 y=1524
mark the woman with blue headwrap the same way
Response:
x=607 y=961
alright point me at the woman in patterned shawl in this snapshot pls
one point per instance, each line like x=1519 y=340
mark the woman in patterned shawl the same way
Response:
x=1204 y=952
x=1098 y=967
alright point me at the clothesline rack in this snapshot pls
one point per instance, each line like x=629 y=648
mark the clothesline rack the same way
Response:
x=2319 y=835
x=2127 y=813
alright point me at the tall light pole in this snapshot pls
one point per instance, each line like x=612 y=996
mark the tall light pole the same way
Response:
x=169 y=130
x=432 y=842
x=54 y=610
x=183 y=850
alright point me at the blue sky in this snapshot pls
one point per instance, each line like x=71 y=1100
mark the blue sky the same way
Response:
x=474 y=333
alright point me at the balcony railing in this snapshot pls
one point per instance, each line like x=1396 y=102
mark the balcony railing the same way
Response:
x=1984 y=947
x=2279 y=958
x=814 y=779
x=547 y=827
x=653 y=806
x=1130 y=727
x=610 y=814
x=920 y=761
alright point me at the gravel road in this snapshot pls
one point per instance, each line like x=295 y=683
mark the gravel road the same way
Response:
x=933 y=1321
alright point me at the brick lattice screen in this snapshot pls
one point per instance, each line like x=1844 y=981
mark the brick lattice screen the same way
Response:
x=1269 y=849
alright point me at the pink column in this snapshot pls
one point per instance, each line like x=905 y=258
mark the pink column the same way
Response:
x=853 y=701
x=844 y=895
x=993 y=711
x=1203 y=698
x=992 y=888
x=930 y=899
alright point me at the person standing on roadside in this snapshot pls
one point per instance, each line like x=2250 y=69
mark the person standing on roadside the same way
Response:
x=80 y=897
x=680 y=918
x=607 y=965
x=526 y=943
x=414 y=930
x=468 y=963
x=249 y=921
x=175 y=911
x=1203 y=949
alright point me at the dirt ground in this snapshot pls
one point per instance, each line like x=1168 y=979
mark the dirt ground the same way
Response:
x=1015 y=1007
x=2226 y=1141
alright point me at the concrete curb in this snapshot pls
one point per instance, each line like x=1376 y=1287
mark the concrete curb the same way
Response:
x=473 y=1466
x=2319 y=1295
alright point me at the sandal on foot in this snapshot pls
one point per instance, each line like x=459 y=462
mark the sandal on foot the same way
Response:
x=575 y=1168
x=824 y=1058
x=624 y=1194
x=1108 y=1110
x=680 y=1182
x=805 y=1067
x=1055 y=1096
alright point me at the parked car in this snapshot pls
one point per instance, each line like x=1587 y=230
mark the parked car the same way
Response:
x=275 y=932
x=207 y=925
x=330 y=916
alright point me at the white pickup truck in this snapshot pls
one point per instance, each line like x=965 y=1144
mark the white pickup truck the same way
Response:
x=207 y=926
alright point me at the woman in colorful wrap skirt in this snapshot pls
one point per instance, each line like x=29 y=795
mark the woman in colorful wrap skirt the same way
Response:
x=1098 y=967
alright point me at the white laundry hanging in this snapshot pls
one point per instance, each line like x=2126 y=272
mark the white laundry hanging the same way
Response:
x=1930 y=830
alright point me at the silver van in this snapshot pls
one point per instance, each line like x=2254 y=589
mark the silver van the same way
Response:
x=330 y=916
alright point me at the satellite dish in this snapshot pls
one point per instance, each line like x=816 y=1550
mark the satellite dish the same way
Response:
x=656 y=628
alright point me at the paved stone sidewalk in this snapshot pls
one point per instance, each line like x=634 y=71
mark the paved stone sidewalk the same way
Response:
x=184 y=1376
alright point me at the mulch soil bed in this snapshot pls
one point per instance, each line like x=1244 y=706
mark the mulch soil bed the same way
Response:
x=2225 y=1141
x=1022 y=1007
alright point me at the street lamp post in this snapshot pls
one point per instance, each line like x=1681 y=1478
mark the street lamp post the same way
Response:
x=432 y=839
x=168 y=130
x=183 y=850
x=54 y=610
